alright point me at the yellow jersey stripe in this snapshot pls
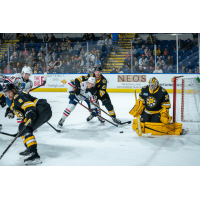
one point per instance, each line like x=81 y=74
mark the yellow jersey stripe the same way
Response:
x=27 y=104
x=32 y=143
x=29 y=138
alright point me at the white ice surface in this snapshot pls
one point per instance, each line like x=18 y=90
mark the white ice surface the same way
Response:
x=94 y=144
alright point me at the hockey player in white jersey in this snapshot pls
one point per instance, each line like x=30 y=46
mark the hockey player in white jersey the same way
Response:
x=86 y=86
x=21 y=81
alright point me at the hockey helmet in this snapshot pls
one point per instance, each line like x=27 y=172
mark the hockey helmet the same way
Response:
x=92 y=80
x=98 y=68
x=26 y=70
x=8 y=87
x=153 y=84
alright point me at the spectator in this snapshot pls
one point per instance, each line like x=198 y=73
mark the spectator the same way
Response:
x=33 y=51
x=127 y=69
x=21 y=58
x=18 y=47
x=27 y=38
x=43 y=49
x=137 y=39
x=52 y=38
x=188 y=45
x=77 y=47
x=91 y=69
x=59 y=51
x=55 y=70
x=83 y=70
x=68 y=67
x=21 y=38
x=18 y=68
x=182 y=71
x=50 y=48
x=54 y=57
x=147 y=52
x=25 y=46
x=73 y=70
x=113 y=71
x=69 y=48
x=166 y=52
x=160 y=63
x=151 y=60
x=40 y=56
x=151 y=70
x=119 y=71
x=62 y=69
x=169 y=61
x=46 y=38
x=47 y=58
x=158 y=51
x=158 y=70
x=108 y=41
x=73 y=61
x=81 y=62
x=34 y=39
x=143 y=62
x=100 y=42
x=140 y=51
x=40 y=69
x=135 y=63
x=141 y=69
x=91 y=37
x=128 y=62
x=82 y=53
x=127 y=54
x=56 y=47
x=97 y=61
x=15 y=58
x=195 y=38
x=85 y=37
x=8 y=71
x=67 y=59
x=133 y=50
x=169 y=69
x=197 y=70
x=190 y=71
x=151 y=39
x=67 y=40
x=25 y=52
x=180 y=45
x=35 y=70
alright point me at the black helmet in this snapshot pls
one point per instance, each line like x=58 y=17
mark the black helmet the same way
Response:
x=98 y=68
x=9 y=86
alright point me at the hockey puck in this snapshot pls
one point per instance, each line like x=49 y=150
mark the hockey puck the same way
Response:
x=121 y=131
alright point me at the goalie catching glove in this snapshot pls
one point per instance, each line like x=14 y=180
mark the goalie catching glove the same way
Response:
x=165 y=118
x=137 y=109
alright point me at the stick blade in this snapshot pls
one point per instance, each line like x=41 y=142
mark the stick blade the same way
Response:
x=45 y=76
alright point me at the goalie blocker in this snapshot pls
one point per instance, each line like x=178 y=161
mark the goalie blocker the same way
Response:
x=153 y=107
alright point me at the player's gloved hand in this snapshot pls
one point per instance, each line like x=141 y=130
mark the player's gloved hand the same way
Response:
x=72 y=96
x=2 y=104
x=94 y=112
x=30 y=114
x=77 y=90
x=9 y=113
x=92 y=90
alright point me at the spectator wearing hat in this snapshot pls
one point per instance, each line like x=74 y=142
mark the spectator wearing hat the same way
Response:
x=136 y=39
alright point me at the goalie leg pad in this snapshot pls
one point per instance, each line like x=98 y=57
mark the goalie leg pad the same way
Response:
x=135 y=126
x=137 y=109
x=163 y=129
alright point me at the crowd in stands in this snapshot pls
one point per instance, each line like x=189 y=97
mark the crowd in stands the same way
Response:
x=65 y=56
x=58 y=57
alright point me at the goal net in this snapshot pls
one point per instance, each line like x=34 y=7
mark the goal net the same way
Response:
x=186 y=99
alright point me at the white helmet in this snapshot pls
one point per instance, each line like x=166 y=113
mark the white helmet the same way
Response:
x=26 y=70
x=92 y=80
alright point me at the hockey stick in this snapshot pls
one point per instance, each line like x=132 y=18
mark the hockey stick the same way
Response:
x=58 y=131
x=3 y=133
x=98 y=115
x=25 y=125
x=44 y=82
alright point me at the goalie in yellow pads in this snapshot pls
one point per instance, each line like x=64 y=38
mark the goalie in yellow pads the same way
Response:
x=153 y=107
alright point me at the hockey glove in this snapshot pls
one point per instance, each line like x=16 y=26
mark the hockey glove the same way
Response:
x=94 y=112
x=137 y=109
x=9 y=113
x=30 y=114
x=165 y=118
x=72 y=96
x=2 y=104
x=77 y=90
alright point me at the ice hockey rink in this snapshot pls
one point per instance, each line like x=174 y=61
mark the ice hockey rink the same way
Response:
x=96 y=144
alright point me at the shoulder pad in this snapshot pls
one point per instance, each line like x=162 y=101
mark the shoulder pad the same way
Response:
x=163 y=90
x=144 y=87
x=91 y=74
x=16 y=96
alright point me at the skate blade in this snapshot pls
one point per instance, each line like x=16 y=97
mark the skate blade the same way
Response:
x=33 y=162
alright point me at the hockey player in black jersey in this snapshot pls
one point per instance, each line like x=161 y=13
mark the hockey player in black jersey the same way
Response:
x=153 y=108
x=27 y=107
x=99 y=90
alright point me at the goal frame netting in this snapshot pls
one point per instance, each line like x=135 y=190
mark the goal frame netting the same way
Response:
x=181 y=92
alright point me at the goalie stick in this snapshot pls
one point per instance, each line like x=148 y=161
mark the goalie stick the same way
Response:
x=25 y=125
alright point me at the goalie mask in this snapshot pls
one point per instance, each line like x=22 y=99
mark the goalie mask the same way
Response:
x=153 y=84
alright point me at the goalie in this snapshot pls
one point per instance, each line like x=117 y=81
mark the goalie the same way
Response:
x=153 y=108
